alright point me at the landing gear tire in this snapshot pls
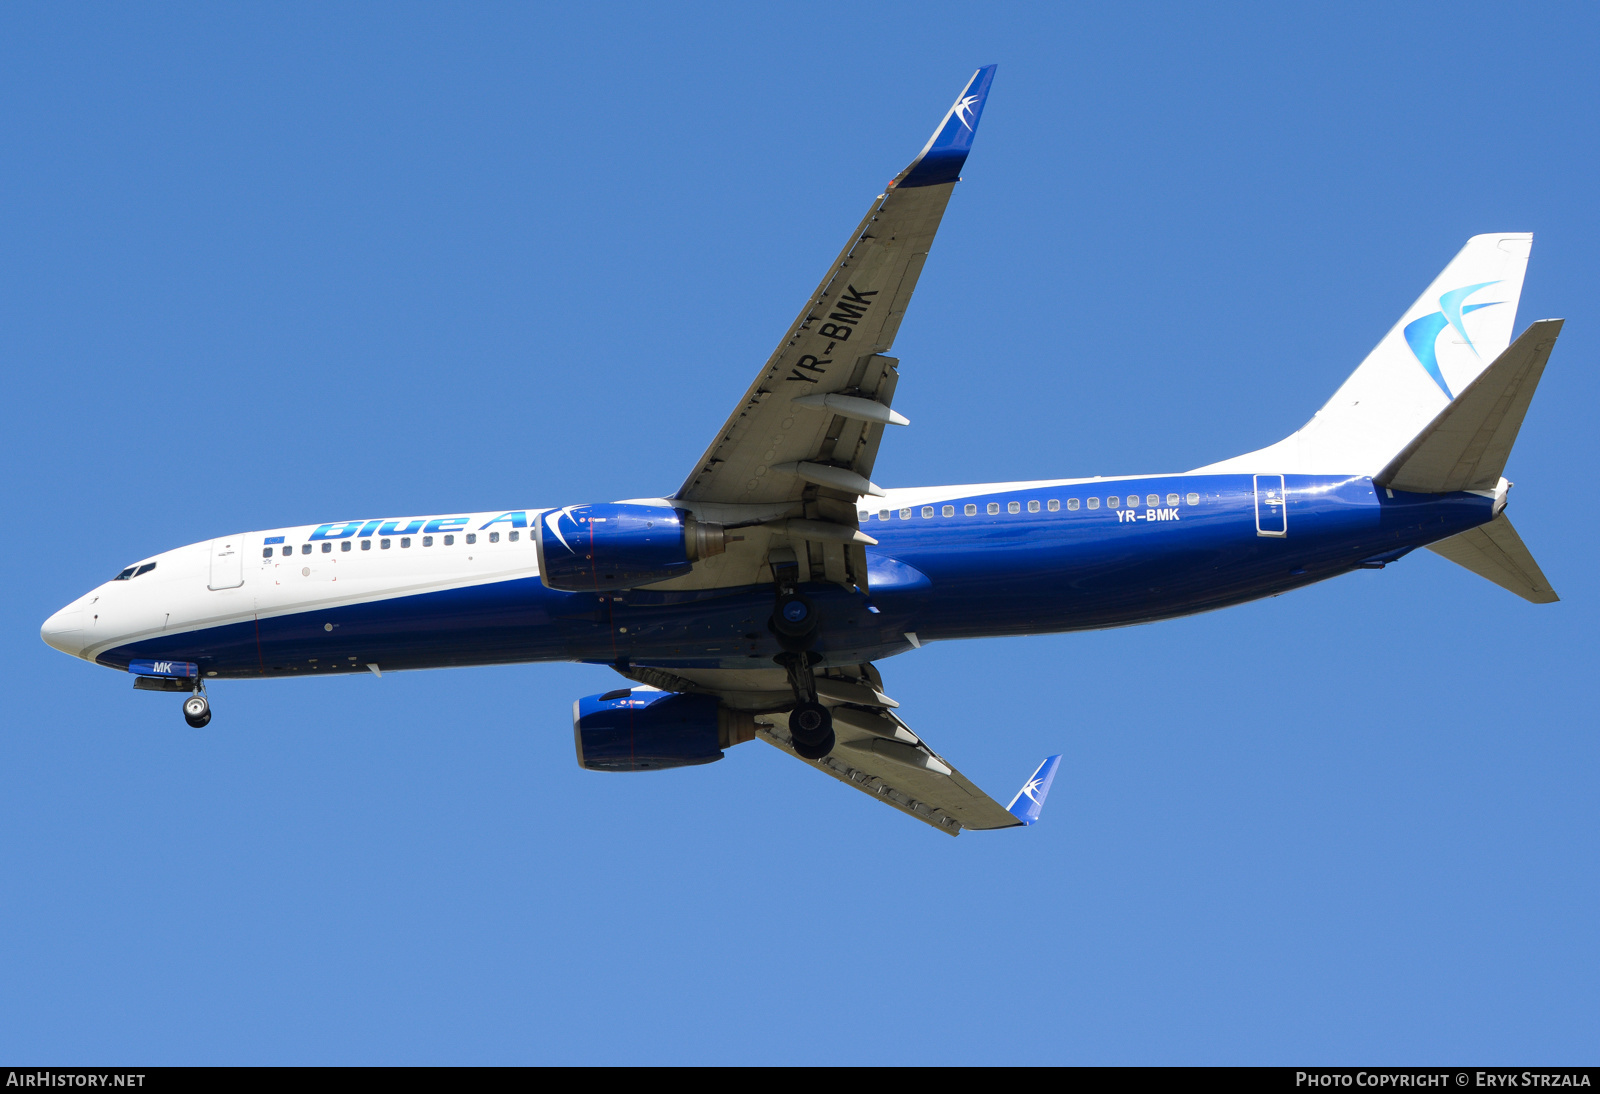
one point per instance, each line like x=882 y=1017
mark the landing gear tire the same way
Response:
x=816 y=751
x=812 y=723
x=197 y=711
x=794 y=621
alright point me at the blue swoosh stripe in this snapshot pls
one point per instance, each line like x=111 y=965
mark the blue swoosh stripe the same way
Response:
x=1450 y=305
x=1421 y=335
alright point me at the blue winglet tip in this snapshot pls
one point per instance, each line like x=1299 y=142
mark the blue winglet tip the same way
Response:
x=1029 y=801
x=946 y=151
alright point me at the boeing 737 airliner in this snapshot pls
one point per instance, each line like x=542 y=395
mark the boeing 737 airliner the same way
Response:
x=754 y=601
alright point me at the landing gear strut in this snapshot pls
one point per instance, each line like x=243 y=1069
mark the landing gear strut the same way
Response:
x=197 y=710
x=810 y=723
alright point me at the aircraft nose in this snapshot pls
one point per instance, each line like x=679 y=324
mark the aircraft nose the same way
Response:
x=64 y=630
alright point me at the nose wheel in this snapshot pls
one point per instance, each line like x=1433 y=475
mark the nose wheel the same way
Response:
x=197 y=711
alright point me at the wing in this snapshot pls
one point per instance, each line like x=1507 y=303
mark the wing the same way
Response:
x=804 y=438
x=875 y=752
x=879 y=755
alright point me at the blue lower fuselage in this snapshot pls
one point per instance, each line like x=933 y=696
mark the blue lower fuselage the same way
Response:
x=933 y=577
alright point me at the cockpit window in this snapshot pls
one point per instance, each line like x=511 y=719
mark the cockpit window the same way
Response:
x=146 y=568
x=125 y=574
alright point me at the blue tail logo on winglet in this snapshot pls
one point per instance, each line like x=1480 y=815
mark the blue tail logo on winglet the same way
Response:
x=942 y=157
x=1422 y=335
x=1030 y=799
x=967 y=109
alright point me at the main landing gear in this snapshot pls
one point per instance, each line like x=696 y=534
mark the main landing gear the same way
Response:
x=197 y=710
x=794 y=621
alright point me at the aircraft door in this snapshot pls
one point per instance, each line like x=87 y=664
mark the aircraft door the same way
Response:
x=227 y=563
x=1272 y=506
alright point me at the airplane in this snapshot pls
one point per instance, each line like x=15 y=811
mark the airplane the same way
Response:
x=757 y=599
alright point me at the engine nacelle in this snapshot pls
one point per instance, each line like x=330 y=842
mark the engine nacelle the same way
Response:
x=598 y=548
x=646 y=730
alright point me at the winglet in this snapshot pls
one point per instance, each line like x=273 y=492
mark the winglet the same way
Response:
x=941 y=158
x=1030 y=799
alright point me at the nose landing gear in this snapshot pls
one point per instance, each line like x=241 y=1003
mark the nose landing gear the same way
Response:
x=197 y=711
x=794 y=621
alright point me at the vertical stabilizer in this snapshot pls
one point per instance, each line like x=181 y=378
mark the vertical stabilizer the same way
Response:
x=1440 y=345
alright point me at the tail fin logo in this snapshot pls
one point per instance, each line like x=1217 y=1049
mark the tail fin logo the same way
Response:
x=963 y=110
x=1422 y=335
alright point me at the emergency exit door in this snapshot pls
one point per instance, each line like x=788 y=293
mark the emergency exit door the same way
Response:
x=1272 y=506
x=227 y=563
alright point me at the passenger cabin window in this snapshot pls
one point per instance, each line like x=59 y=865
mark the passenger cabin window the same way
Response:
x=927 y=512
x=883 y=514
x=948 y=510
x=266 y=552
x=449 y=541
x=1172 y=499
x=905 y=514
x=405 y=541
x=971 y=510
x=327 y=548
x=1033 y=506
x=305 y=548
x=344 y=546
x=1016 y=506
x=1055 y=504
x=1133 y=499
x=1113 y=502
x=1152 y=500
x=994 y=508
x=472 y=537
x=146 y=568
x=864 y=514
x=1194 y=499
x=1072 y=504
x=427 y=541
x=383 y=544
x=366 y=545
x=494 y=537
x=513 y=537
x=126 y=574
x=1094 y=503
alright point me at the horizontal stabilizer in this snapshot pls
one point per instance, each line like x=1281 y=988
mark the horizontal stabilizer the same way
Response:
x=1495 y=551
x=1466 y=446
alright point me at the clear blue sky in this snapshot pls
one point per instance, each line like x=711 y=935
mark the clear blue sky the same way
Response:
x=280 y=264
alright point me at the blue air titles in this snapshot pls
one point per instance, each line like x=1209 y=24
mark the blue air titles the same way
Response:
x=403 y=526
